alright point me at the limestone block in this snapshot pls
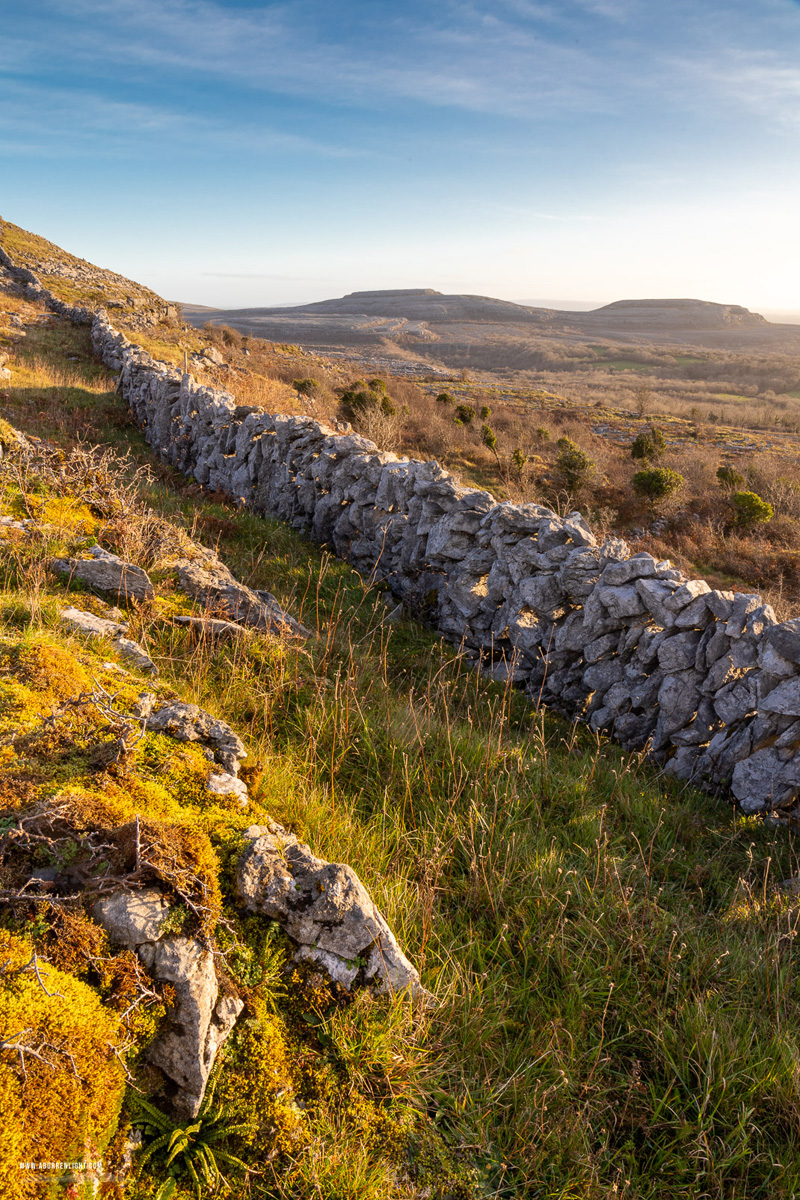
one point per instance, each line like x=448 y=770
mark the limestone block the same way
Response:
x=620 y=602
x=678 y=652
x=784 y=699
x=130 y=918
x=324 y=906
x=784 y=639
x=640 y=566
x=107 y=573
x=655 y=593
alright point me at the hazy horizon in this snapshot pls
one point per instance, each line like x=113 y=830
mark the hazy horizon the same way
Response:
x=234 y=151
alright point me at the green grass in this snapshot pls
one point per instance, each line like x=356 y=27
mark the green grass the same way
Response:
x=612 y=957
x=625 y=364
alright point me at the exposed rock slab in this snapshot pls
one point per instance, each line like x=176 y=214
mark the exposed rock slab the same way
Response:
x=325 y=908
x=212 y=584
x=212 y=627
x=107 y=573
x=131 y=918
x=93 y=626
x=190 y=723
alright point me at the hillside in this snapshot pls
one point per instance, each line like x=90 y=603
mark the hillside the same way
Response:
x=609 y=954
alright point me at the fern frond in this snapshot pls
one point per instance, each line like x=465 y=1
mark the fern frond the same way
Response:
x=158 y=1118
x=229 y=1130
x=178 y=1145
x=210 y=1167
x=198 y=1191
x=232 y=1160
x=152 y=1149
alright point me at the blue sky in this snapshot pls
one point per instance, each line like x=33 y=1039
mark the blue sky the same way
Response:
x=258 y=153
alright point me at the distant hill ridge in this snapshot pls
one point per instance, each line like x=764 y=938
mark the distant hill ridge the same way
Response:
x=482 y=331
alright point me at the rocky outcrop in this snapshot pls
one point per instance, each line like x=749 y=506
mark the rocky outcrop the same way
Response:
x=190 y=723
x=212 y=584
x=325 y=908
x=93 y=626
x=200 y=1020
x=107 y=573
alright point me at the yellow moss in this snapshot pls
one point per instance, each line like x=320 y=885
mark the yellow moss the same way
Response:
x=8 y=434
x=66 y=513
x=36 y=675
x=49 y=669
x=260 y=1083
x=52 y=1112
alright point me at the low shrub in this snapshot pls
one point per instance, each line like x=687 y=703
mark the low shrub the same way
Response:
x=657 y=483
x=750 y=510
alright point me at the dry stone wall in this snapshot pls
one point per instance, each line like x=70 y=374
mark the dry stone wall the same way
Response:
x=710 y=680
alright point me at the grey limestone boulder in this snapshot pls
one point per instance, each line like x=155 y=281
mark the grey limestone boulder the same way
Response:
x=198 y=1024
x=109 y=574
x=761 y=781
x=131 y=918
x=190 y=723
x=325 y=908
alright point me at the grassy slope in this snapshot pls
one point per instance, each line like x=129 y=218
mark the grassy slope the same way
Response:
x=614 y=966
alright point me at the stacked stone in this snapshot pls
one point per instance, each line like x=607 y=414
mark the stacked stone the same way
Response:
x=710 y=680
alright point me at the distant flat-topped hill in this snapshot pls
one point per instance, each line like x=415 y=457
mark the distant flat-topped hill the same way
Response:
x=495 y=333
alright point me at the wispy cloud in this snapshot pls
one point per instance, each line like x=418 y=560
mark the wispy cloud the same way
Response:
x=58 y=120
x=764 y=82
x=505 y=58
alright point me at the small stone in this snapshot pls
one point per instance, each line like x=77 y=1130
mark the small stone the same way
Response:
x=131 y=918
x=229 y=785
x=134 y=653
x=94 y=626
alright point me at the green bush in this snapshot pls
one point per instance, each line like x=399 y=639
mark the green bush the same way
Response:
x=751 y=510
x=360 y=398
x=485 y=412
x=489 y=439
x=465 y=414
x=305 y=387
x=573 y=464
x=656 y=483
x=445 y=398
x=649 y=444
